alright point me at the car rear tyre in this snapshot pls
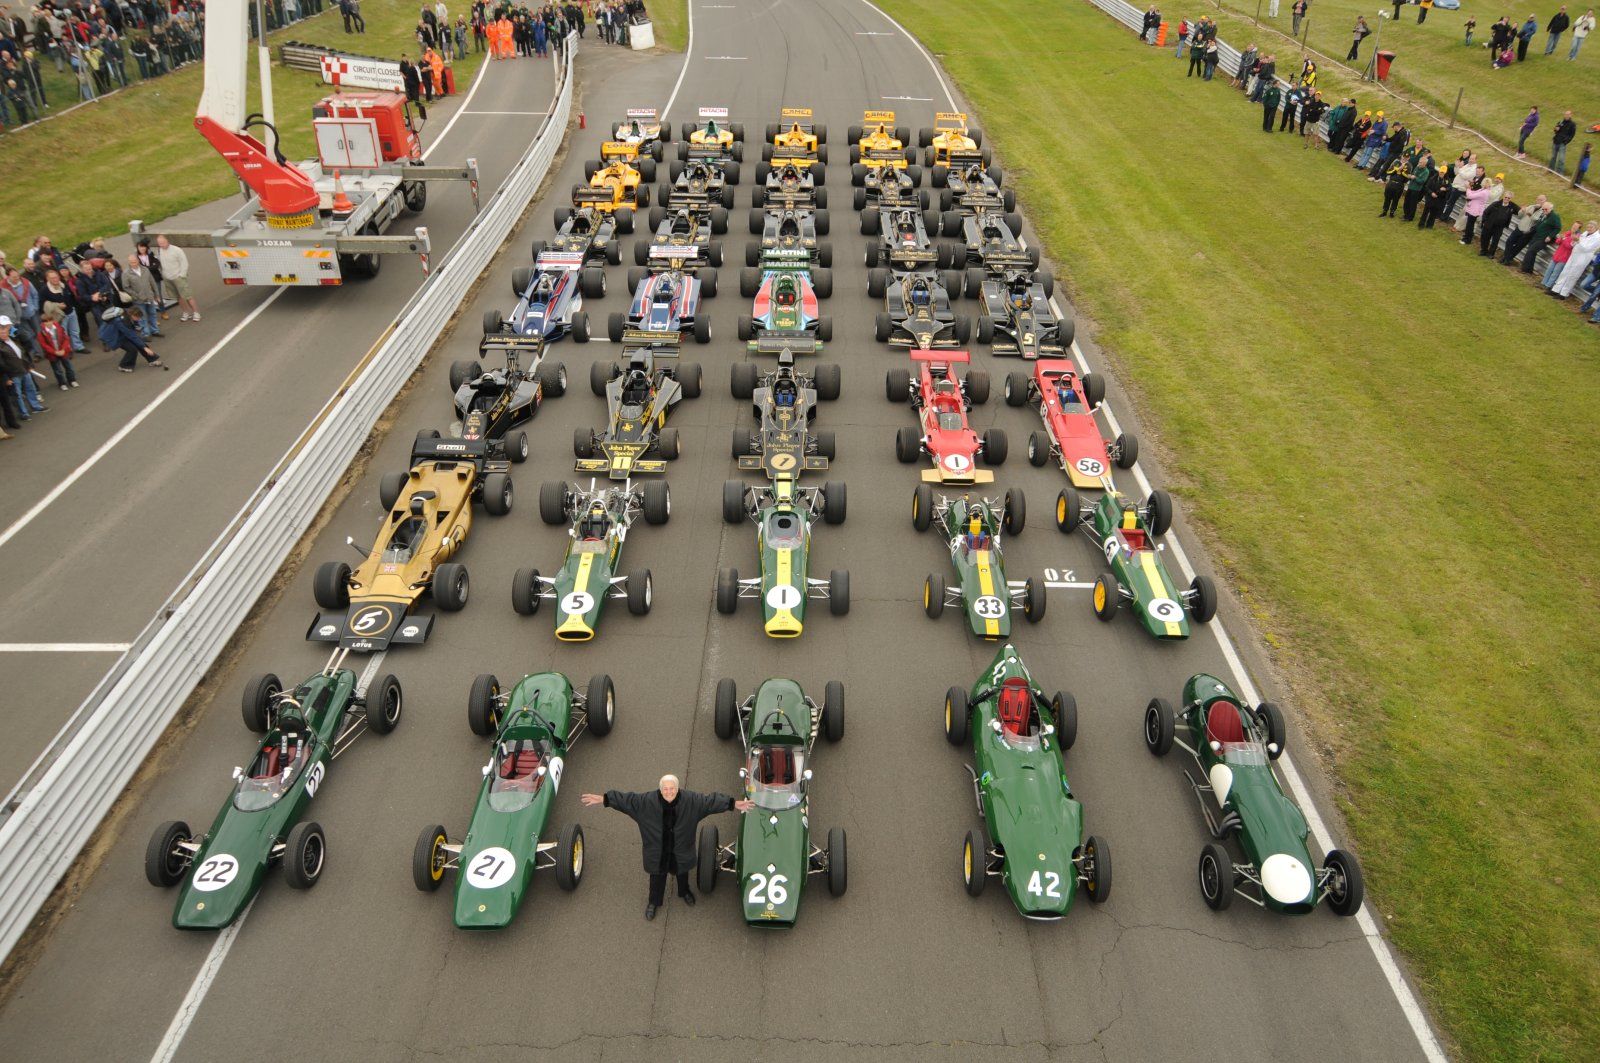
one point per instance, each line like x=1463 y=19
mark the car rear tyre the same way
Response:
x=833 y=710
x=839 y=592
x=390 y=487
x=164 y=862
x=599 y=377
x=963 y=330
x=497 y=494
x=1216 y=877
x=829 y=379
x=877 y=282
x=732 y=502
x=1097 y=857
x=1064 y=707
x=833 y=502
x=600 y=705
x=331 y=585
x=827 y=446
x=1202 y=599
x=838 y=870
x=978 y=386
x=304 y=855
x=641 y=591
x=689 y=376
x=451 y=587
x=569 y=857
x=710 y=856
x=1068 y=513
x=525 y=591
x=1127 y=446
x=257 y=704
x=922 y=507
x=463 y=370
x=1094 y=389
x=1159 y=727
x=702 y=329
x=975 y=862
x=933 y=596
x=553 y=502
x=578 y=328
x=1158 y=510
x=667 y=444
x=957 y=716
x=897 y=385
x=1033 y=600
x=882 y=328
x=985 y=329
x=657 y=502
x=994 y=446
x=1016 y=517
x=907 y=444
x=1038 y=449
x=494 y=323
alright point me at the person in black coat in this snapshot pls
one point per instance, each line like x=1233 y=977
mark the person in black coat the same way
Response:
x=1495 y=219
x=667 y=820
x=413 y=84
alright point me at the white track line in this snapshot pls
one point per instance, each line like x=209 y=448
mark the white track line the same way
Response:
x=219 y=949
x=477 y=83
x=688 y=50
x=535 y=114
x=122 y=433
x=64 y=647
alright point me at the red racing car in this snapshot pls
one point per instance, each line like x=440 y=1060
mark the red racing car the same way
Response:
x=942 y=403
x=1066 y=402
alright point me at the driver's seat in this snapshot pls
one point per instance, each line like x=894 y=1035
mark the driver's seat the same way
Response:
x=1223 y=723
x=1016 y=706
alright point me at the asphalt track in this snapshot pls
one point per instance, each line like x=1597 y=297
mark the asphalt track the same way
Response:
x=905 y=966
x=94 y=564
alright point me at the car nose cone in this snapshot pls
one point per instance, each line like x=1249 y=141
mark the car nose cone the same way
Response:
x=1285 y=879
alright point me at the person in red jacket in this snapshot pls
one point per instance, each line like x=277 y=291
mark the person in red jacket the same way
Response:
x=56 y=344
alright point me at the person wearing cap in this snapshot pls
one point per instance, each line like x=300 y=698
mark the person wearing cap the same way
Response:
x=1357 y=136
x=667 y=818
x=1371 y=142
x=1395 y=177
x=1433 y=195
x=14 y=363
x=118 y=334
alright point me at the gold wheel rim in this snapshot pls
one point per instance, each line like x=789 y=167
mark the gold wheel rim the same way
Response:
x=966 y=852
x=1061 y=511
x=1099 y=596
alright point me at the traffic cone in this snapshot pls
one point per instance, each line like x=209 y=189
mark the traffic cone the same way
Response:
x=583 y=121
x=341 y=202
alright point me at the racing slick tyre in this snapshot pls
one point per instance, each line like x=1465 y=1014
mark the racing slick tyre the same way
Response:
x=259 y=694
x=1033 y=256
x=1346 y=889
x=877 y=282
x=978 y=387
x=600 y=705
x=1014 y=223
x=553 y=379
x=938 y=175
x=641 y=592
x=732 y=501
x=730 y=173
x=494 y=323
x=624 y=217
x=537 y=248
x=390 y=485
x=1064 y=707
x=525 y=591
x=727 y=198
x=974 y=282
x=1045 y=279
x=827 y=445
x=825 y=329
x=590 y=168
x=702 y=329
x=516 y=447
x=463 y=370
x=855 y=156
x=819 y=177
x=1038 y=449
x=428 y=857
x=599 y=376
x=742 y=377
x=164 y=862
x=957 y=716
x=615 y=324
x=657 y=502
x=871 y=224
x=1033 y=599
x=914 y=172
x=635 y=276
x=1159 y=727
x=416 y=193
x=569 y=857
x=933 y=596
x=758 y=191
x=1008 y=197
x=859 y=199
x=828 y=379
x=719 y=221
x=839 y=592
x=382 y=704
x=985 y=329
x=922 y=507
x=613 y=253
x=946 y=256
x=689 y=377
x=976 y=136
x=749 y=281
x=825 y=256
x=483 y=705
x=858 y=172
x=1016 y=515
x=1127 y=447
x=426 y=435
x=667 y=444
x=947 y=198
x=833 y=502
x=1202 y=599
x=1068 y=513
x=1269 y=718
x=963 y=329
x=1094 y=389
x=331 y=585
x=833 y=710
x=1158 y=512
x=907 y=445
x=949 y=224
x=743 y=441
x=726 y=716
x=1216 y=877
x=838 y=869
x=924 y=137
x=1097 y=855
x=822 y=281
x=641 y=196
x=882 y=328
x=819 y=220
x=497 y=494
x=975 y=861
x=553 y=502
x=710 y=856
x=521 y=277
x=1107 y=597
x=995 y=446
x=305 y=852
x=714 y=252
x=897 y=385
x=592 y=282
x=562 y=215
x=582 y=443
x=647 y=167
x=451 y=586
x=641 y=250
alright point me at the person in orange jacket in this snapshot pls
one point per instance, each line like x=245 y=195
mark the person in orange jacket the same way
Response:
x=436 y=62
x=504 y=27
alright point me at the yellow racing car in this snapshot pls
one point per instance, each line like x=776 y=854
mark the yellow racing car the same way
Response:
x=951 y=143
x=612 y=186
x=795 y=139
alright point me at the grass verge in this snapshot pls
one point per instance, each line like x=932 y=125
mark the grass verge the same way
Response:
x=139 y=146
x=671 y=18
x=1386 y=442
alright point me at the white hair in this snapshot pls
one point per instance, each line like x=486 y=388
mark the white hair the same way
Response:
x=673 y=779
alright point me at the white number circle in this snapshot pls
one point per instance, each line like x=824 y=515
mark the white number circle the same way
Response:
x=956 y=462
x=989 y=607
x=577 y=603
x=1165 y=610
x=215 y=872
x=1090 y=467
x=314 y=778
x=556 y=764
x=491 y=867
x=783 y=596
x=370 y=620
x=1111 y=547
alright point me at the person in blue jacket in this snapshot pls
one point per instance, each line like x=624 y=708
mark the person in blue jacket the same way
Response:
x=119 y=333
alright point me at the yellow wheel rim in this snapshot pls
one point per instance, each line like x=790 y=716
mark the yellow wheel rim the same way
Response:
x=966 y=853
x=1099 y=596
x=436 y=864
x=948 y=713
x=927 y=594
x=1061 y=511
x=577 y=855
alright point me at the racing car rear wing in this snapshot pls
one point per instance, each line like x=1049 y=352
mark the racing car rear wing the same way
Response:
x=781 y=343
x=935 y=358
x=950 y=121
x=877 y=118
x=509 y=345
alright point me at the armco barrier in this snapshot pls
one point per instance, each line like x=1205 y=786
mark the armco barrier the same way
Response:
x=56 y=808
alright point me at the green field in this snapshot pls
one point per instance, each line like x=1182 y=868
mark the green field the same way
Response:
x=1364 y=422
x=671 y=18
x=139 y=145
x=1432 y=63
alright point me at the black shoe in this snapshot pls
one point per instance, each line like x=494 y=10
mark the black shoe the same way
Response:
x=687 y=898
x=649 y=911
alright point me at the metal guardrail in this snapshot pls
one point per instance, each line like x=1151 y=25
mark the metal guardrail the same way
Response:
x=49 y=817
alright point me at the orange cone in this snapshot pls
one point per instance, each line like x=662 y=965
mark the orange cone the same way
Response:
x=341 y=202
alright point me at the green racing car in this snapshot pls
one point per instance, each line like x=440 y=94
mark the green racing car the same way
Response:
x=973 y=527
x=1240 y=796
x=264 y=822
x=1032 y=834
x=773 y=856
x=784 y=513
x=532 y=728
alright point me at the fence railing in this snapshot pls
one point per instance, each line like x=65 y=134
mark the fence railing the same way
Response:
x=49 y=817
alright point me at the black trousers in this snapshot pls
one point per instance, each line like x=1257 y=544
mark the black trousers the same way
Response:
x=1268 y=111
x=1514 y=243
x=1530 y=254
x=10 y=413
x=1489 y=240
x=1431 y=206
x=1411 y=203
x=1391 y=200
x=658 y=886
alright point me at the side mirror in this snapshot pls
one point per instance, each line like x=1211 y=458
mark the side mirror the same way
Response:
x=806 y=775
x=350 y=540
x=486 y=769
x=1272 y=747
x=238 y=773
x=1049 y=729
x=1216 y=747
x=744 y=773
x=543 y=771
x=994 y=725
